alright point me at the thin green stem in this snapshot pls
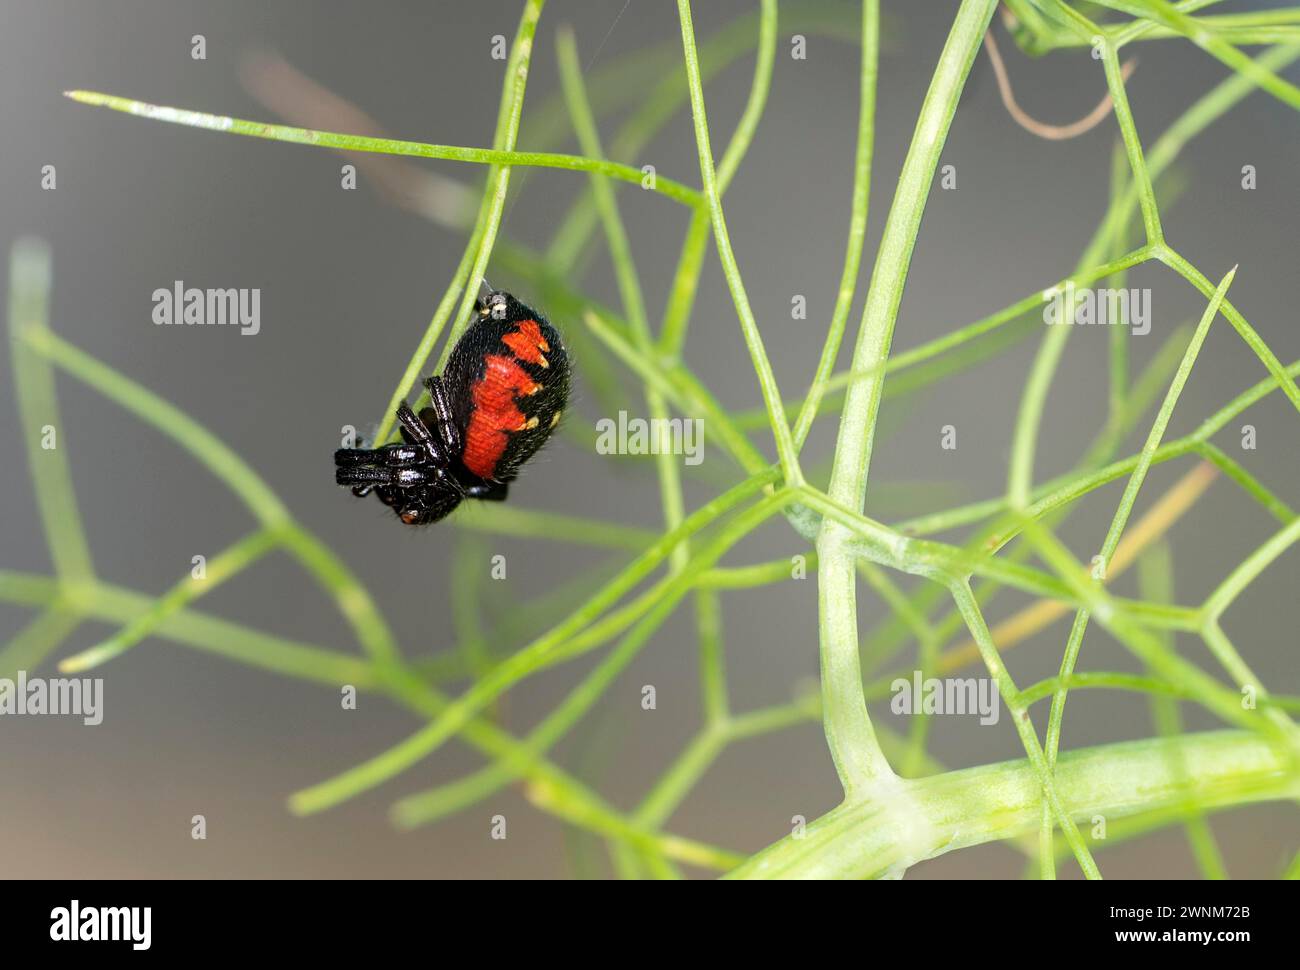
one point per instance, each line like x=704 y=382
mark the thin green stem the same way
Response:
x=44 y=433
x=385 y=146
x=857 y=219
x=708 y=177
x=629 y=284
x=229 y=562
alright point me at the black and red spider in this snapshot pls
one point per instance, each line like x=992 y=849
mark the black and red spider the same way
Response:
x=503 y=391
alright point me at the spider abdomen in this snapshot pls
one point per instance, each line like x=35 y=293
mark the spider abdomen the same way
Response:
x=510 y=372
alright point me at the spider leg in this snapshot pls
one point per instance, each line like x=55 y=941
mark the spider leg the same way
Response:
x=350 y=461
x=413 y=477
x=364 y=475
x=489 y=491
x=443 y=418
x=392 y=456
x=418 y=433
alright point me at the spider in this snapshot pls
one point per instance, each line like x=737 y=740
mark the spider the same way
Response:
x=501 y=395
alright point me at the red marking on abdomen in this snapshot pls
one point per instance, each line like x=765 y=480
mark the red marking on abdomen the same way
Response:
x=494 y=416
x=527 y=342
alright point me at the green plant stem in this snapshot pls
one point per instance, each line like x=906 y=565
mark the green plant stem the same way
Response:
x=473 y=262
x=858 y=208
x=222 y=566
x=858 y=759
x=1166 y=14
x=385 y=146
x=30 y=275
x=584 y=123
x=107 y=603
x=1156 y=582
x=681 y=294
x=1247 y=333
x=1235 y=583
x=957 y=809
x=42 y=636
x=708 y=177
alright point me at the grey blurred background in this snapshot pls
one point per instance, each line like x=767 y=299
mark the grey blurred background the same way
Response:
x=348 y=285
